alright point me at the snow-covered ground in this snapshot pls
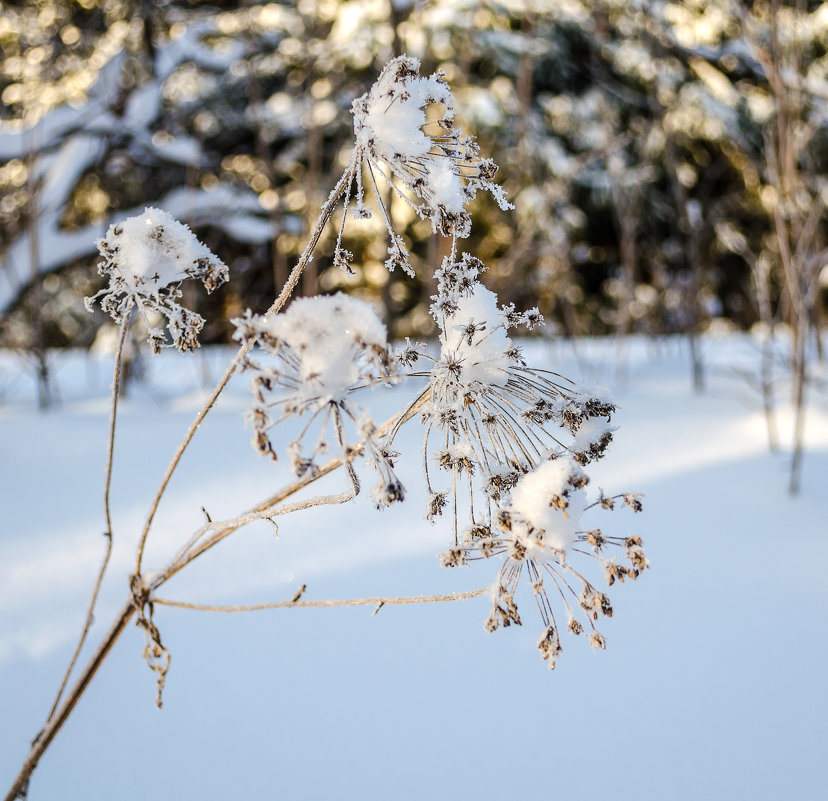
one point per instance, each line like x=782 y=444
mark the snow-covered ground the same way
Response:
x=713 y=684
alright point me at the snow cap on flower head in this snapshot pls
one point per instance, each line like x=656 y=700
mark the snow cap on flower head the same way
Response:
x=474 y=339
x=332 y=343
x=549 y=501
x=388 y=120
x=146 y=258
x=430 y=158
x=324 y=349
x=475 y=351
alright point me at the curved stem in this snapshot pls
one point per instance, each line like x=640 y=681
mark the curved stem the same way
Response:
x=290 y=284
x=110 y=450
x=190 y=552
x=55 y=723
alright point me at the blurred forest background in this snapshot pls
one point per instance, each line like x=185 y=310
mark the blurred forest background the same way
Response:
x=668 y=160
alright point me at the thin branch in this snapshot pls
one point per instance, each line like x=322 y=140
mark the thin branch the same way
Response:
x=45 y=737
x=110 y=449
x=42 y=741
x=290 y=284
x=267 y=508
x=414 y=599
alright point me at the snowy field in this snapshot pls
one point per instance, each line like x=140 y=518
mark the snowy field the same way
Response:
x=713 y=684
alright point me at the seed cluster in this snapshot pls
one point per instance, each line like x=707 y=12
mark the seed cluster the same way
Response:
x=146 y=258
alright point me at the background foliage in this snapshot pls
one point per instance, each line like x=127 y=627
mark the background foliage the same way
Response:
x=634 y=138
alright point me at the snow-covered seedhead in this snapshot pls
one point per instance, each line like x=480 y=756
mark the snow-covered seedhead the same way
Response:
x=546 y=506
x=485 y=399
x=329 y=345
x=426 y=159
x=535 y=535
x=476 y=354
x=321 y=351
x=474 y=348
x=146 y=258
x=514 y=440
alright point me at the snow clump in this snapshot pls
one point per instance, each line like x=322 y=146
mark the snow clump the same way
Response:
x=427 y=161
x=320 y=351
x=474 y=339
x=328 y=345
x=549 y=502
x=146 y=258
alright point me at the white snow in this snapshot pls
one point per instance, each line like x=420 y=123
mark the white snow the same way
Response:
x=483 y=359
x=154 y=250
x=446 y=185
x=533 y=500
x=394 y=126
x=328 y=335
x=395 y=111
x=711 y=685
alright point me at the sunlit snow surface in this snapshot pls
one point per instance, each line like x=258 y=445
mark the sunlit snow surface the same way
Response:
x=712 y=685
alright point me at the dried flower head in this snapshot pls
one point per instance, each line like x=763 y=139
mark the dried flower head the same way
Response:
x=426 y=159
x=494 y=417
x=322 y=350
x=514 y=440
x=146 y=258
x=536 y=537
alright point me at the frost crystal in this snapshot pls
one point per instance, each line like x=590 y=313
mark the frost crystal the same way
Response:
x=146 y=258
x=428 y=156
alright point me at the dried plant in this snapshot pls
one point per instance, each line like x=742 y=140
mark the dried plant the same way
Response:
x=437 y=169
x=510 y=441
x=146 y=258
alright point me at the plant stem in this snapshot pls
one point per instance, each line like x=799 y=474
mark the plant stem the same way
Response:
x=44 y=739
x=56 y=720
x=378 y=602
x=110 y=450
x=290 y=284
x=190 y=551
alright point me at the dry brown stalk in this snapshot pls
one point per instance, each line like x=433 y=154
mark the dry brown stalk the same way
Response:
x=378 y=602
x=110 y=452
x=267 y=508
x=307 y=254
x=47 y=734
